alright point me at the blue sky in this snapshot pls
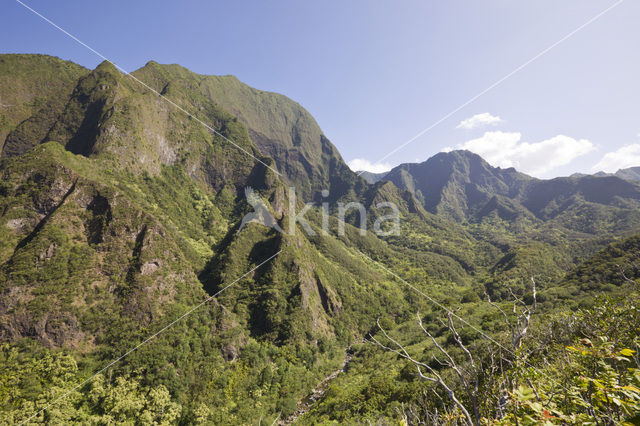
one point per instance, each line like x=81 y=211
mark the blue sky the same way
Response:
x=374 y=74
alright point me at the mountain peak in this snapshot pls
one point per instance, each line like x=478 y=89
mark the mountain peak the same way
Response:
x=458 y=154
x=631 y=174
x=462 y=185
x=456 y=183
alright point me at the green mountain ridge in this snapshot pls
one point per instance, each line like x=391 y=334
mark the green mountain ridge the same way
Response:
x=630 y=173
x=462 y=186
x=33 y=89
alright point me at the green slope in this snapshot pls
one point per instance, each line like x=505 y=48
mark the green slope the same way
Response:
x=279 y=127
x=33 y=90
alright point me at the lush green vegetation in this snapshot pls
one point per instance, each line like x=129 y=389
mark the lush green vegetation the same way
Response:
x=578 y=367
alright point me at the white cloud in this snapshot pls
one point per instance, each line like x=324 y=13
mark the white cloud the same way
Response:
x=360 y=164
x=479 y=120
x=627 y=156
x=505 y=149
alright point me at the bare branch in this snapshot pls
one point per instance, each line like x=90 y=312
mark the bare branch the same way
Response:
x=623 y=272
x=419 y=365
x=451 y=363
x=535 y=297
x=495 y=305
x=403 y=353
x=458 y=340
x=516 y=299
x=522 y=320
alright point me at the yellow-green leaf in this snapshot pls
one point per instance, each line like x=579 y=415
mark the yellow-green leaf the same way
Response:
x=630 y=388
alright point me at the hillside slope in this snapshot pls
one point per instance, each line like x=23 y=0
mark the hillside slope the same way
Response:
x=33 y=91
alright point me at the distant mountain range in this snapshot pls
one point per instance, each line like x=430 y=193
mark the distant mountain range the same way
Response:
x=461 y=185
x=631 y=174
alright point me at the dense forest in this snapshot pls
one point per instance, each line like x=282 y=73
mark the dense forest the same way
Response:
x=132 y=291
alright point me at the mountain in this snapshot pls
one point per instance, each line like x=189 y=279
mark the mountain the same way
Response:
x=371 y=177
x=123 y=217
x=33 y=91
x=119 y=213
x=631 y=174
x=278 y=127
x=457 y=184
x=462 y=186
x=306 y=159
